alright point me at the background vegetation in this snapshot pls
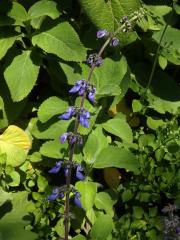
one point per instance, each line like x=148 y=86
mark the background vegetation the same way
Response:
x=131 y=151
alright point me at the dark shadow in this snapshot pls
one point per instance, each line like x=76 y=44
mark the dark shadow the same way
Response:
x=5 y=7
x=162 y=84
x=5 y=208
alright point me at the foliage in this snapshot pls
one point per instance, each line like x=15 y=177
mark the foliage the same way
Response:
x=131 y=150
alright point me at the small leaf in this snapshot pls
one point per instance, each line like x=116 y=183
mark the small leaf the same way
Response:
x=18 y=13
x=120 y=128
x=116 y=157
x=50 y=107
x=88 y=193
x=65 y=45
x=103 y=201
x=136 y=105
x=21 y=75
x=102 y=227
x=162 y=62
x=14 y=179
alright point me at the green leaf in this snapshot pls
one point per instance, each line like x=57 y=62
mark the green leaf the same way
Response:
x=109 y=76
x=7 y=106
x=170 y=38
x=50 y=130
x=138 y=212
x=50 y=107
x=127 y=195
x=102 y=227
x=162 y=62
x=4 y=196
x=43 y=8
x=116 y=157
x=79 y=237
x=7 y=38
x=154 y=123
x=106 y=14
x=17 y=13
x=103 y=201
x=64 y=44
x=95 y=143
x=21 y=75
x=42 y=183
x=88 y=193
x=14 y=143
x=53 y=149
x=120 y=128
x=136 y=105
x=14 y=179
x=12 y=224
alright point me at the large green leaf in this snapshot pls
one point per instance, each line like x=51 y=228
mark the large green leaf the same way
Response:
x=7 y=106
x=50 y=130
x=4 y=196
x=102 y=227
x=106 y=14
x=170 y=38
x=50 y=107
x=108 y=77
x=12 y=224
x=43 y=8
x=21 y=75
x=65 y=44
x=53 y=149
x=7 y=39
x=95 y=143
x=88 y=193
x=119 y=127
x=116 y=157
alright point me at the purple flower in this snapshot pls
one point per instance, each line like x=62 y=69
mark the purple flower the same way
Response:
x=64 y=137
x=77 y=200
x=98 y=61
x=56 y=168
x=90 y=59
x=178 y=230
x=102 y=33
x=91 y=94
x=72 y=138
x=68 y=114
x=84 y=117
x=79 y=171
x=79 y=85
x=54 y=195
x=114 y=42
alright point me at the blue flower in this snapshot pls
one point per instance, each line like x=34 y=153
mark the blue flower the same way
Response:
x=68 y=114
x=56 y=168
x=91 y=94
x=102 y=33
x=84 y=117
x=63 y=137
x=80 y=87
x=114 y=42
x=77 y=200
x=79 y=171
x=54 y=195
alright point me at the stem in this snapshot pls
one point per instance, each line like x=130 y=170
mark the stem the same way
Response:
x=72 y=147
